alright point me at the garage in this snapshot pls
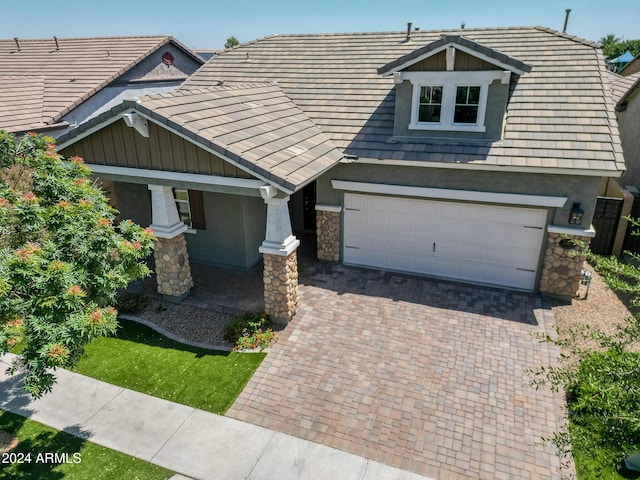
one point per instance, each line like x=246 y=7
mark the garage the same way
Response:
x=475 y=243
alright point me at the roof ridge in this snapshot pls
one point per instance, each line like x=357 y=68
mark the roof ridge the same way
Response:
x=575 y=38
x=83 y=38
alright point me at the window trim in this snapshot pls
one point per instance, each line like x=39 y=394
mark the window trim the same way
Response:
x=450 y=81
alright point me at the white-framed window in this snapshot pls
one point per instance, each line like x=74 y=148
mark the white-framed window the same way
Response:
x=454 y=101
x=184 y=208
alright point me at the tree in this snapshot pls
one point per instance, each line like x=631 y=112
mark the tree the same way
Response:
x=231 y=42
x=62 y=258
x=613 y=47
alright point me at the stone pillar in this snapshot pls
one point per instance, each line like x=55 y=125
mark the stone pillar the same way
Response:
x=328 y=232
x=280 y=276
x=173 y=271
x=563 y=261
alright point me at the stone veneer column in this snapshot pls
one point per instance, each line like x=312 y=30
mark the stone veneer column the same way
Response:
x=563 y=264
x=328 y=232
x=280 y=275
x=173 y=271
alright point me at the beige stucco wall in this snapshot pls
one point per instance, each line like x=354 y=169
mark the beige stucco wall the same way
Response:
x=629 y=127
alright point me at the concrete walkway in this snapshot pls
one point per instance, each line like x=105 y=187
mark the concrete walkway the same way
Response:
x=193 y=443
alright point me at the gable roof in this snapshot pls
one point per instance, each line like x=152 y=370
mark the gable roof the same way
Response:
x=469 y=46
x=70 y=70
x=558 y=117
x=254 y=126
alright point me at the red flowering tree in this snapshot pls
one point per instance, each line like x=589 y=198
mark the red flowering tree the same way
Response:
x=62 y=258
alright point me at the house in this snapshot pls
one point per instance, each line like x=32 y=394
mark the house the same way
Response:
x=55 y=84
x=474 y=155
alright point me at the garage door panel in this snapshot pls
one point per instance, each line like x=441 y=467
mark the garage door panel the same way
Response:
x=477 y=243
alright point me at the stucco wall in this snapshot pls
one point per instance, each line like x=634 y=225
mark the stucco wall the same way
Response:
x=629 y=126
x=577 y=189
x=235 y=225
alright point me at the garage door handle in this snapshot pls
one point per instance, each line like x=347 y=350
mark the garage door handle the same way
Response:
x=530 y=226
x=434 y=246
x=353 y=209
x=526 y=270
x=355 y=248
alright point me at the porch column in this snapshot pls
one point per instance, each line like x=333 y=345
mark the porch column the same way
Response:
x=328 y=232
x=173 y=271
x=564 y=260
x=280 y=276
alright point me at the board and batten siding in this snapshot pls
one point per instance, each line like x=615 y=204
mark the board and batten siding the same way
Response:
x=120 y=146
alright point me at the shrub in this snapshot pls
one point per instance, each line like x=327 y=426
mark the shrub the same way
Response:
x=128 y=302
x=250 y=331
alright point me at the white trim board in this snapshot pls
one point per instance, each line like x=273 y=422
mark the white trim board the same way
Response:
x=450 y=194
x=578 y=232
x=177 y=176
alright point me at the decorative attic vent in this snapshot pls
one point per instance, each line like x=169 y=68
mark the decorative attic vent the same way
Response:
x=253 y=104
x=295 y=150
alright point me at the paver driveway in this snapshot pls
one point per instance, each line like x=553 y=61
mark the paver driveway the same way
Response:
x=425 y=375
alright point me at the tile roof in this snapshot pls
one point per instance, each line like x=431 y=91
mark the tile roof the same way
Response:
x=559 y=114
x=622 y=86
x=69 y=70
x=255 y=126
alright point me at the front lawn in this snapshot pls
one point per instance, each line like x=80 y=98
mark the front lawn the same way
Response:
x=141 y=359
x=47 y=454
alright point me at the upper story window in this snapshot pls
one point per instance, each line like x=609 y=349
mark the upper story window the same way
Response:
x=453 y=101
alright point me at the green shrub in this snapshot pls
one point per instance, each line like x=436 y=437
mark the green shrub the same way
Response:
x=250 y=331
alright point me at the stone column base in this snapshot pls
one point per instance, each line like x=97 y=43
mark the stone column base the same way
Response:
x=280 y=279
x=173 y=271
x=563 y=264
x=328 y=235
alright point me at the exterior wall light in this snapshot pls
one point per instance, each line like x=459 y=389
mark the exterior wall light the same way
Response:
x=575 y=215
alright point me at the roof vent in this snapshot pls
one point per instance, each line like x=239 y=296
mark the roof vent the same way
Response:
x=253 y=104
x=408 y=39
x=295 y=150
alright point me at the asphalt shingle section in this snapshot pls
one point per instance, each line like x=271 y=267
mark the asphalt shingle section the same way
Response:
x=559 y=115
x=255 y=126
x=70 y=71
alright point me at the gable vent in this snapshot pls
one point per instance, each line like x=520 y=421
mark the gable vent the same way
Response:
x=295 y=150
x=253 y=104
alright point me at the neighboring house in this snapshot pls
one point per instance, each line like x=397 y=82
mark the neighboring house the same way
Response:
x=630 y=68
x=53 y=85
x=473 y=155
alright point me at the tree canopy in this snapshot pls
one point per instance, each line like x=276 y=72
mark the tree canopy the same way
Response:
x=613 y=47
x=231 y=42
x=62 y=258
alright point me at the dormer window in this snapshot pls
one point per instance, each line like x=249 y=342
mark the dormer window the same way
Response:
x=454 y=101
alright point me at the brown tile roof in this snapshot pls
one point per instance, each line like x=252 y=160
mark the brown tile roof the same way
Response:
x=255 y=126
x=70 y=71
x=559 y=115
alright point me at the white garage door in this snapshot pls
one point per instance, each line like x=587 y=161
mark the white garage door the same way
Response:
x=470 y=242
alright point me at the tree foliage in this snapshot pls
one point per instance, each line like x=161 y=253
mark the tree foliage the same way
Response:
x=613 y=47
x=231 y=42
x=62 y=258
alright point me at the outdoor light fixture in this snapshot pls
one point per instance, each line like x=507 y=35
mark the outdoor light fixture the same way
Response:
x=575 y=215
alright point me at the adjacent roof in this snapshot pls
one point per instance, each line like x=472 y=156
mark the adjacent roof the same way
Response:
x=43 y=80
x=622 y=87
x=558 y=117
x=470 y=46
x=254 y=126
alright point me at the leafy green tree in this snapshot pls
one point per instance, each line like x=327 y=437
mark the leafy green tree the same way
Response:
x=231 y=42
x=62 y=259
x=613 y=47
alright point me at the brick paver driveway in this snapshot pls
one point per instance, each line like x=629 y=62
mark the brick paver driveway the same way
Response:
x=425 y=375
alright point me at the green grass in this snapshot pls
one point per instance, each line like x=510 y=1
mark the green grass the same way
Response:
x=93 y=461
x=140 y=359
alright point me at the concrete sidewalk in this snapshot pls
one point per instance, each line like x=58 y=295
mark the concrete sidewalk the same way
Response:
x=193 y=443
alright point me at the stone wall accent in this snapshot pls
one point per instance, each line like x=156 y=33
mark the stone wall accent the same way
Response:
x=562 y=267
x=328 y=235
x=280 y=279
x=173 y=271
